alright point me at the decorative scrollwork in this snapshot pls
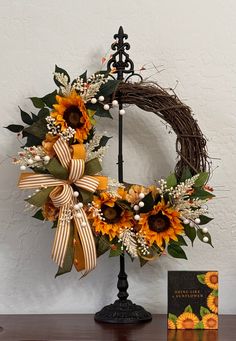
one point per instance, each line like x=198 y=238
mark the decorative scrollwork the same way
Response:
x=120 y=60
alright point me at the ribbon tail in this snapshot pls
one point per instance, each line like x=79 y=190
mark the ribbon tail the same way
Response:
x=62 y=237
x=87 y=241
x=79 y=262
x=33 y=180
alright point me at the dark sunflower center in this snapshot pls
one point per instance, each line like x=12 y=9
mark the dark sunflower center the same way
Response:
x=158 y=222
x=214 y=279
x=72 y=116
x=112 y=215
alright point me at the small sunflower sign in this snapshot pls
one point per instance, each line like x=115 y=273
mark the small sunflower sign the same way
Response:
x=192 y=300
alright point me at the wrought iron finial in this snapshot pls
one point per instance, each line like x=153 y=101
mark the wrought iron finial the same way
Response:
x=120 y=60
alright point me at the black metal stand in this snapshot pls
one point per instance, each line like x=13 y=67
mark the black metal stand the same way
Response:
x=122 y=310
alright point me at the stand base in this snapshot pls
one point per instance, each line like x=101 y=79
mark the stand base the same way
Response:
x=123 y=312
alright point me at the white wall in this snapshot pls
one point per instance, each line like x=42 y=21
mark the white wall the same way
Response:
x=195 y=43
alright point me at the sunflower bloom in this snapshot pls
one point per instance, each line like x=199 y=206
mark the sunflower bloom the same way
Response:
x=114 y=218
x=161 y=224
x=71 y=112
x=187 y=321
x=210 y=321
x=49 y=211
x=212 y=303
x=211 y=280
x=133 y=193
x=171 y=324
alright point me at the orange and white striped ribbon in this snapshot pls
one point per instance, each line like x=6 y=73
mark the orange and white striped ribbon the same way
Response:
x=62 y=197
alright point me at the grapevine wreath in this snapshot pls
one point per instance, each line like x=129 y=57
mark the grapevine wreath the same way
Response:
x=92 y=213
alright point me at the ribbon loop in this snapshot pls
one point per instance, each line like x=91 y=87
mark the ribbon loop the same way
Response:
x=63 y=152
x=76 y=169
x=62 y=197
x=87 y=182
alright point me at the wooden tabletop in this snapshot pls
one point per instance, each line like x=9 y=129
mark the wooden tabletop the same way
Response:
x=84 y=328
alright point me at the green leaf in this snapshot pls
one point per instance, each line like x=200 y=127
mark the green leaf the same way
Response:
x=102 y=113
x=148 y=203
x=92 y=167
x=186 y=174
x=142 y=261
x=172 y=317
x=171 y=181
x=214 y=293
x=176 y=251
x=84 y=76
x=102 y=245
x=26 y=117
x=201 y=278
x=69 y=257
x=202 y=179
x=204 y=219
x=37 y=102
x=116 y=252
x=125 y=205
x=181 y=241
x=40 y=198
x=188 y=309
x=15 y=128
x=34 y=117
x=43 y=113
x=190 y=232
x=31 y=140
x=60 y=70
x=201 y=194
x=102 y=142
x=199 y=325
x=108 y=88
x=40 y=170
x=38 y=129
x=201 y=235
x=39 y=215
x=54 y=224
x=85 y=196
x=204 y=311
x=50 y=99
x=55 y=168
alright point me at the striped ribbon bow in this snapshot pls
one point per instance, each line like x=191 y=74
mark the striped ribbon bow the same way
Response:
x=62 y=197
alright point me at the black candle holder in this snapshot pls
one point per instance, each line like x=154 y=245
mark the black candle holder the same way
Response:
x=122 y=310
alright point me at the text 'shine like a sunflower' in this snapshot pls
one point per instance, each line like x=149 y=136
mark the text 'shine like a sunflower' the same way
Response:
x=161 y=224
x=187 y=321
x=112 y=217
x=71 y=112
x=211 y=280
x=210 y=321
x=212 y=303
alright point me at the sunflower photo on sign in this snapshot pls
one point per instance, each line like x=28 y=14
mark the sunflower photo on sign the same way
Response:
x=192 y=300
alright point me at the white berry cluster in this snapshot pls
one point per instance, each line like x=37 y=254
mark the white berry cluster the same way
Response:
x=90 y=88
x=53 y=129
x=32 y=157
x=139 y=205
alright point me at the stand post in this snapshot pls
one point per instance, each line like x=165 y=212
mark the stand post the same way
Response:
x=122 y=310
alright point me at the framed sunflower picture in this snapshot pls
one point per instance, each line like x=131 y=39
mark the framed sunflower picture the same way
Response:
x=193 y=300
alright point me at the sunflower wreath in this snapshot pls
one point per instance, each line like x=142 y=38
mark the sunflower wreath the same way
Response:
x=92 y=213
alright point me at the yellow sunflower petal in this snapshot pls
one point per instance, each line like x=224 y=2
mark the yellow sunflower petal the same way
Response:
x=210 y=321
x=211 y=279
x=187 y=321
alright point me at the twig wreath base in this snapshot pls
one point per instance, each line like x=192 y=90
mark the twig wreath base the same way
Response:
x=91 y=212
x=190 y=141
